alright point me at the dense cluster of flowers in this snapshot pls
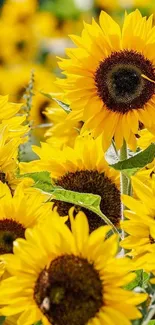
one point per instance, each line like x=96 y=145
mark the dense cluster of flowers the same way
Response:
x=77 y=166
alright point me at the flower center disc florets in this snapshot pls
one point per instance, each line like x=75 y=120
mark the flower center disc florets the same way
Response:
x=69 y=292
x=120 y=83
x=10 y=230
x=91 y=181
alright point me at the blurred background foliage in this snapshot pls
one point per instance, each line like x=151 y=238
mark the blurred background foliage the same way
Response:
x=32 y=34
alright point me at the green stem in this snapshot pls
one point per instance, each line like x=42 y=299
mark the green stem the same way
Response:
x=124 y=179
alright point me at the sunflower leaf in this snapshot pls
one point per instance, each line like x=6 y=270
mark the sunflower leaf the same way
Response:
x=140 y=160
x=85 y=200
x=63 y=105
x=151 y=322
x=42 y=180
x=141 y=280
x=88 y=201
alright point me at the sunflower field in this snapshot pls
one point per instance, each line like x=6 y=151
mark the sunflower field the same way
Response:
x=77 y=162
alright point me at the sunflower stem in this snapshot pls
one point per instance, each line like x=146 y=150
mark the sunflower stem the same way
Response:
x=124 y=179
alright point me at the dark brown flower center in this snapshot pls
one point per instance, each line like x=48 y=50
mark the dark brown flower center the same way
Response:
x=70 y=291
x=120 y=83
x=91 y=181
x=41 y=110
x=10 y=230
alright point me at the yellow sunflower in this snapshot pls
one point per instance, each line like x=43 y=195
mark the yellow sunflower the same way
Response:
x=22 y=210
x=61 y=275
x=83 y=169
x=110 y=77
x=140 y=223
x=18 y=12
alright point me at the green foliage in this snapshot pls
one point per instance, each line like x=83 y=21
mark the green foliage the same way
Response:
x=151 y=322
x=38 y=323
x=85 y=200
x=42 y=181
x=2 y=319
x=64 y=106
x=141 y=280
x=140 y=160
x=61 y=11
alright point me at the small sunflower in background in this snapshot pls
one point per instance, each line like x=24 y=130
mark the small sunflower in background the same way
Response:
x=18 y=40
x=61 y=275
x=110 y=78
x=84 y=169
x=18 y=12
x=43 y=82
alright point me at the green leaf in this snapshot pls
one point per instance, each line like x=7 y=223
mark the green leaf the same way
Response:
x=140 y=160
x=2 y=319
x=141 y=280
x=42 y=180
x=64 y=106
x=151 y=322
x=85 y=200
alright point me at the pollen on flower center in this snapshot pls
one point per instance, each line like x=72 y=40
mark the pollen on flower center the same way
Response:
x=10 y=230
x=120 y=83
x=69 y=291
x=91 y=181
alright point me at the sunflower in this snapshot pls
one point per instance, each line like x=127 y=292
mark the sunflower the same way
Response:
x=18 y=12
x=140 y=223
x=82 y=169
x=62 y=276
x=110 y=77
x=22 y=210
